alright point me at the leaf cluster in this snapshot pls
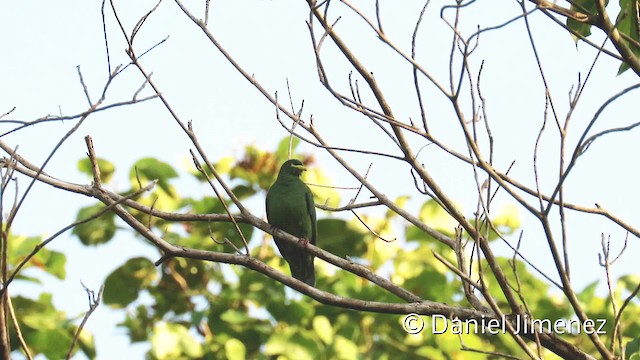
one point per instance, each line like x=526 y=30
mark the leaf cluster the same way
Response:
x=192 y=309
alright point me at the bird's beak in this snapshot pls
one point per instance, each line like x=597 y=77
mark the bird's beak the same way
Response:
x=299 y=167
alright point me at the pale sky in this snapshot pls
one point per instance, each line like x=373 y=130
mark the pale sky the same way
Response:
x=44 y=42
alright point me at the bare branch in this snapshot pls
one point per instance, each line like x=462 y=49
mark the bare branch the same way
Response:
x=94 y=302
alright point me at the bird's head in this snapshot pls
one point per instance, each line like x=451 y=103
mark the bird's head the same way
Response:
x=292 y=167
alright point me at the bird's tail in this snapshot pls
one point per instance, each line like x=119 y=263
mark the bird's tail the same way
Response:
x=300 y=264
x=304 y=272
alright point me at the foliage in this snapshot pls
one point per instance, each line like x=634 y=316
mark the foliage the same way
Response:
x=201 y=309
x=47 y=330
x=209 y=310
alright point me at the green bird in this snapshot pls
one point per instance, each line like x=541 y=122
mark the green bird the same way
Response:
x=290 y=208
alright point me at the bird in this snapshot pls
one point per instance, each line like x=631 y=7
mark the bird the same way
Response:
x=290 y=208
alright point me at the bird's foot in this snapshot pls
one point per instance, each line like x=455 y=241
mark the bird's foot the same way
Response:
x=304 y=242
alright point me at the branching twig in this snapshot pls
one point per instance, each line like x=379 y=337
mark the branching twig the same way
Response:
x=94 y=302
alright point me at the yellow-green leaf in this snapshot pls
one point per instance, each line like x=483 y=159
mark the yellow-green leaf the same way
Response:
x=324 y=330
x=96 y=231
x=345 y=348
x=106 y=168
x=235 y=349
x=123 y=285
x=173 y=341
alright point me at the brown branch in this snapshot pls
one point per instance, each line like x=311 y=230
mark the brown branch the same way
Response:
x=93 y=160
x=575 y=15
x=422 y=307
x=349 y=206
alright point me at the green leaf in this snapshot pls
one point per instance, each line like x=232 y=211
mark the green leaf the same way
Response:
x=436 y=217
x=54 y=263
x=38 y=314
x=219 y=230
x=582 y=6
x=50 y=261
x=340 y=238
x=282 y=151
x=173 y=341
x=235 y=350
x=506 y=222
x=588 y=292
x=629 y=281
x=257 y=167
x=627 y=23
x=86 y=342
x=53 y=343
x=123 y=285
x=232 y=316
x=324 y=330
x=322 y=194
x=345 y=348
x=224 y=165
x=96 y=231
x=431 y=352
x=379 y=251
x=401 y=202
x=21 y=246
x=293 y=344
x=535 y=289
x=46 y=330
x=243 y=192
x=106 y=169
x=293 y=312
x=149 y=169
x=137 y=323
x=415 y=268
x=632 y=349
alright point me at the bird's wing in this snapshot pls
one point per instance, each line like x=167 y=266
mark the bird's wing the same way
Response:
x=311 y=210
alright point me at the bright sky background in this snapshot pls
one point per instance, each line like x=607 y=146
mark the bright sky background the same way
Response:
x=43 y=42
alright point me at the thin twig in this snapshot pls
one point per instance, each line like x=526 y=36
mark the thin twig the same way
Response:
x=93 y=159
x=222 y=201
x=370 y=229
x=94 y=302
x=457 y=271
x=16 y=327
